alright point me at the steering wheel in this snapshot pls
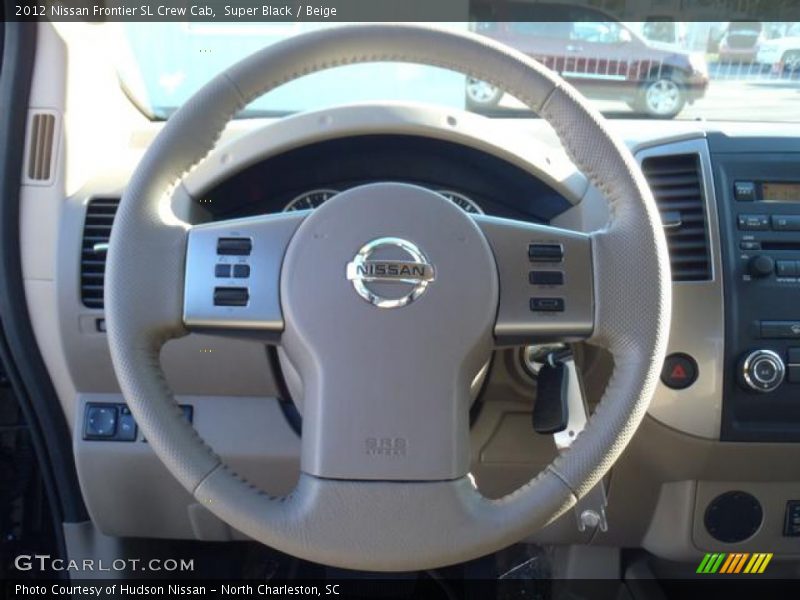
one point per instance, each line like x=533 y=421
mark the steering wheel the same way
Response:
x=385 y=481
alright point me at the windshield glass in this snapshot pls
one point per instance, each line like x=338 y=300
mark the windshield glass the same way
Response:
x=658 y=70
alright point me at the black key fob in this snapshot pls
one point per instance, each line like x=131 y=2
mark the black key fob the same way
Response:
x=550 y=413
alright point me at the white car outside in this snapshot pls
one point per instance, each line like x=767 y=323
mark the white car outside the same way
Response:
x=782 y=53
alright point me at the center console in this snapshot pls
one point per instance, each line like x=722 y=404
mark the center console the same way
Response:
x=758 y=191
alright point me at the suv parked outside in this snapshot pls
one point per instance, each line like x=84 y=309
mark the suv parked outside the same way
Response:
x=602 y=58
x=783 y=53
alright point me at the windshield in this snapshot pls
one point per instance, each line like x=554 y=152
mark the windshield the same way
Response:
x=654 y=69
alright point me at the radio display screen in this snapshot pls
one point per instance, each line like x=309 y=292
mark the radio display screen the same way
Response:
x=780 y=192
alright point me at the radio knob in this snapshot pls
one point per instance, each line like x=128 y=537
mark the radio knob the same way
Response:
x=761 y=266
x=762 y=371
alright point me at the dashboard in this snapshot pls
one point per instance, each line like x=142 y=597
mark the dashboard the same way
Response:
x=705 y=436
x=305 y=177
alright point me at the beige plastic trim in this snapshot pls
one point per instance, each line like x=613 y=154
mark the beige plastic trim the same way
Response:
x=548 y=163
x=698 y=321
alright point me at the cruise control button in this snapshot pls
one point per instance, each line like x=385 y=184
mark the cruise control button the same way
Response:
x=547 y=304
x=545 y=252
x=234 y=246
x=546 y=277
x=679 y=372
x=231 y=296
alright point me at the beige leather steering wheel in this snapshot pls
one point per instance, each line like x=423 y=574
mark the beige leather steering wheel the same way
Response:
x=385 y=449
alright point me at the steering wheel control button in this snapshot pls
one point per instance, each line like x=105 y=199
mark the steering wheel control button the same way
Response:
x=100 y=421
x=680 y=371
x=547 y=304
x=762 y=371
x=545 y=252
x=241 y=271
x=780 y=330
x=222 y=271
x=753 y=222
x=390 y=272
x=546 y=277
x=231 y=296
x=234 y=246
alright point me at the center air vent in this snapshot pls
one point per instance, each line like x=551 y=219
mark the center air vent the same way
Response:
x=676 y=184
x=100 y=214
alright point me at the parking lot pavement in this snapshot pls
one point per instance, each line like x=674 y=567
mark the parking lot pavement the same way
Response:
x=761 y=100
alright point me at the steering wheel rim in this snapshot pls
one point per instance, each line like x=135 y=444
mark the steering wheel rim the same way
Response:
x=367 y=522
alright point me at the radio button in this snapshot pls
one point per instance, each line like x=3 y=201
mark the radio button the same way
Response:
x=786 y=268
x=750 y=245
x=753 y=222
x=780 y=329
x=744 y=191
x=786 y=222
x=761 y=266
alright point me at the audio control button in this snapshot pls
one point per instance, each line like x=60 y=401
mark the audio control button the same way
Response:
x=786 y=222
x=753 y=222
x=762 y=371
x=761 y=266
x=786 y=268
x=780 y=329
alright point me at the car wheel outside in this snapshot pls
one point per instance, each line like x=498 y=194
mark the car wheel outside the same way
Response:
x=791 y=61
x=662 y=97
x=481 y=94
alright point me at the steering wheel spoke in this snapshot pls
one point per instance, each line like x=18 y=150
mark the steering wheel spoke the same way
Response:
x=546 y=281
x=232 y=280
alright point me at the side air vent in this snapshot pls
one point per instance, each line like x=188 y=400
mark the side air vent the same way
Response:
x=40 y=148
x=676 y=184
x=100 y=214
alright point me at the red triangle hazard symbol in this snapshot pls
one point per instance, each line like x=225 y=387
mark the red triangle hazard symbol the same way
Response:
x=678 y=372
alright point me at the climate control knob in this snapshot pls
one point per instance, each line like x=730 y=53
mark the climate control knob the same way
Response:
x=760 y=266
x=762 y=371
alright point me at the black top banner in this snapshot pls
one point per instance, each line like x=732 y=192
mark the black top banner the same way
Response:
x=400 y=10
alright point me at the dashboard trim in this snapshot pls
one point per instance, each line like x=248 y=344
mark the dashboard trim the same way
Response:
x=698 y=319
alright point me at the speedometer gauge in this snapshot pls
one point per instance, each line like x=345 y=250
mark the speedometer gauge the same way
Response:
x=314 y=198
x=309 y=200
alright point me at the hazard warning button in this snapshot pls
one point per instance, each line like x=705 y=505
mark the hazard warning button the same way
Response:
x=680 y=371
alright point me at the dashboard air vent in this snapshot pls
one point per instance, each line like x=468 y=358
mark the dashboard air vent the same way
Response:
x=100 y=214
x=675 y=181
x=40 y=153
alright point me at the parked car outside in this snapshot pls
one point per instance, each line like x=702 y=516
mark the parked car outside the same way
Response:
x=603 y=59
x=783 y=53
x=740 y=42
